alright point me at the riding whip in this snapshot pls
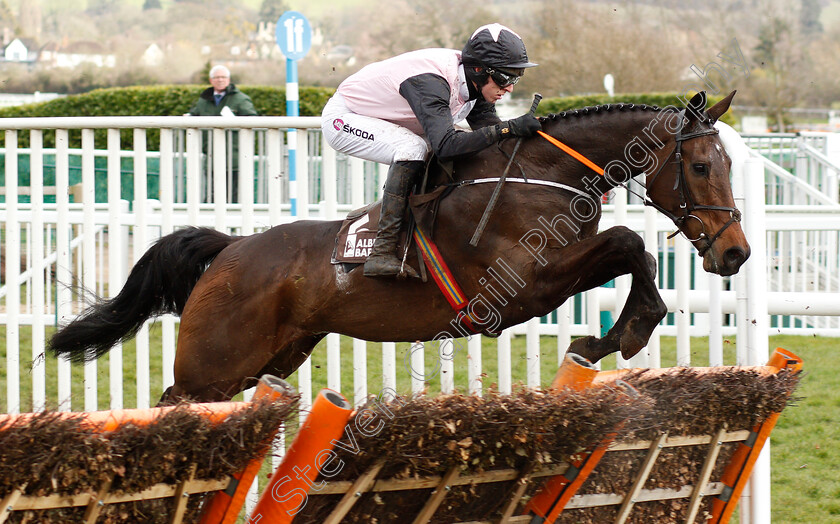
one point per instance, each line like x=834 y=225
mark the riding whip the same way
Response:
x=498 y=190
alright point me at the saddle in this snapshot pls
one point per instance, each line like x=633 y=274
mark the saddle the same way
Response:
x=355 y=238
x=358 y=232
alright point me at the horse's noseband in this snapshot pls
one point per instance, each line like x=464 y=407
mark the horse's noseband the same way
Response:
x=687 y=205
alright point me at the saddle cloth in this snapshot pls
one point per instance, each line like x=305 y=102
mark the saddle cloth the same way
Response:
x=354 y=240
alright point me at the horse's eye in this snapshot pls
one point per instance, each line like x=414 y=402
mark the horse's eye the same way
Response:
x=700 y=169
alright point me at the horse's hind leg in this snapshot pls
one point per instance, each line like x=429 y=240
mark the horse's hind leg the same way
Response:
x=622 y=252
x=290 y=357
x=283 y=364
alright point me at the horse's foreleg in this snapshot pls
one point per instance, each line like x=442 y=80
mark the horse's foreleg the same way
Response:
x=641 y=313
x=624 y=252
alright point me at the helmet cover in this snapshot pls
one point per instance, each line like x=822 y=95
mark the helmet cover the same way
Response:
x=494 y=45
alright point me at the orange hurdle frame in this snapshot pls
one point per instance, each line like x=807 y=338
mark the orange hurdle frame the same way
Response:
x=225 y=505
x=577 y=373
x=310 y=452
x=740 y=467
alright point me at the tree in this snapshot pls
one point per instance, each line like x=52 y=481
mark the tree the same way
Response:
x=781 y=61
x=7 y=17
x=399 y=26
x=271 y=10
x=576 y=44
x=809 y=18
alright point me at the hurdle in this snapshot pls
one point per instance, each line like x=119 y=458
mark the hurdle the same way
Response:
x=653 y=456
x=109 y=478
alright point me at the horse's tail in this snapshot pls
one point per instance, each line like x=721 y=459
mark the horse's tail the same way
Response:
x=159 y=283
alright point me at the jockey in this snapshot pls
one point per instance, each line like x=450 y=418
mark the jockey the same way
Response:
x=398 y=110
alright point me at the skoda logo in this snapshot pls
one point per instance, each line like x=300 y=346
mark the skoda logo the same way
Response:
x=337 y=124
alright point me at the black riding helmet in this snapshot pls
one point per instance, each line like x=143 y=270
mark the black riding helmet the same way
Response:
x=499 y=52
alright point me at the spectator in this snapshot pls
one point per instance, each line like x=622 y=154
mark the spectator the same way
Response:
x=223 y=99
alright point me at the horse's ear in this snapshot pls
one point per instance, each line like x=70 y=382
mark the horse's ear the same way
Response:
x=696 y=107
x=717 y=110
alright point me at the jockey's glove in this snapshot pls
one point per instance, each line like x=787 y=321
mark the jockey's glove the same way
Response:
x=521 y=126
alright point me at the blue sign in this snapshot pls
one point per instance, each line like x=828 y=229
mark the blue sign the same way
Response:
x=294 y=35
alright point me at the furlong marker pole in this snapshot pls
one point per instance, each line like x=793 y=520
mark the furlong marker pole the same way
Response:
x=292 y=109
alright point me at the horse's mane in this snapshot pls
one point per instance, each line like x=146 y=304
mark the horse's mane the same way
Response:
x=606 y=108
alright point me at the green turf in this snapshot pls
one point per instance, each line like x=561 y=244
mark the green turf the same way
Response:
x=805 y=444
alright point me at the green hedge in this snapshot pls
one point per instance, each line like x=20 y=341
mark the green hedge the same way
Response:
x=164 y=101
x=269 y=101
x=174 y=100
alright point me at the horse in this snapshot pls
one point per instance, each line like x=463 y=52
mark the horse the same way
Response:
x=251 y=305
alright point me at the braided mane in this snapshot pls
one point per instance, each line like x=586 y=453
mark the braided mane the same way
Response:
x=585 y=111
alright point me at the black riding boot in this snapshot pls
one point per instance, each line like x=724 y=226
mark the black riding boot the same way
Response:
x=383 y=260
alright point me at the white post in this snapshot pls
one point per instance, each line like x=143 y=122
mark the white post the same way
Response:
x=275 y=175
x=832 y=151
x=359 y=369
x=532 y=351
x=12 y=276
x=193 y=175
x=166 y=184
x=141 y=243
x=219 y=179
x=36 y=240
x=89 y=251
x=682 y=281
x=115 y=264
x=564 y=330
x=739 y=191
x=474 y=385
x=62 y=259
x=417 y=367
x=715 y=319
x=246 y=179
x=334 y=361
x=446 y=356
x=304 y=374
x=503 y=361
x=757 y=319
x=389 y=366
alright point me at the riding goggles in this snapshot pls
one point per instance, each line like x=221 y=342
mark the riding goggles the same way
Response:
x=503 y=79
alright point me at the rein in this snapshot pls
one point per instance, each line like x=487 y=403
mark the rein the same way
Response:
x=687 y=204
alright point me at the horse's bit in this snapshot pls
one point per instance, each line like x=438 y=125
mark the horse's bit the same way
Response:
x=687 y=204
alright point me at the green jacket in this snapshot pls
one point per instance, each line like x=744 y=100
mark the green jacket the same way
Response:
x=236 y=100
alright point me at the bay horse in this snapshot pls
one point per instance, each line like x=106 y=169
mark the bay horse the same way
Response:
x=259 y=304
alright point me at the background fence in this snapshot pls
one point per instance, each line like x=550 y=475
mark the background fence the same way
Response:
x=92 y=194
x=84 y=214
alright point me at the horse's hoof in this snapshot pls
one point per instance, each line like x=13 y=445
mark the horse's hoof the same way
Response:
x=583 y=347
x=630 y=343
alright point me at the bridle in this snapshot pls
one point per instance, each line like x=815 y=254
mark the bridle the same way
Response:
x=687 y=203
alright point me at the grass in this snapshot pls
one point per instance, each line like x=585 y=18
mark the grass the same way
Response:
x=805 y=444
